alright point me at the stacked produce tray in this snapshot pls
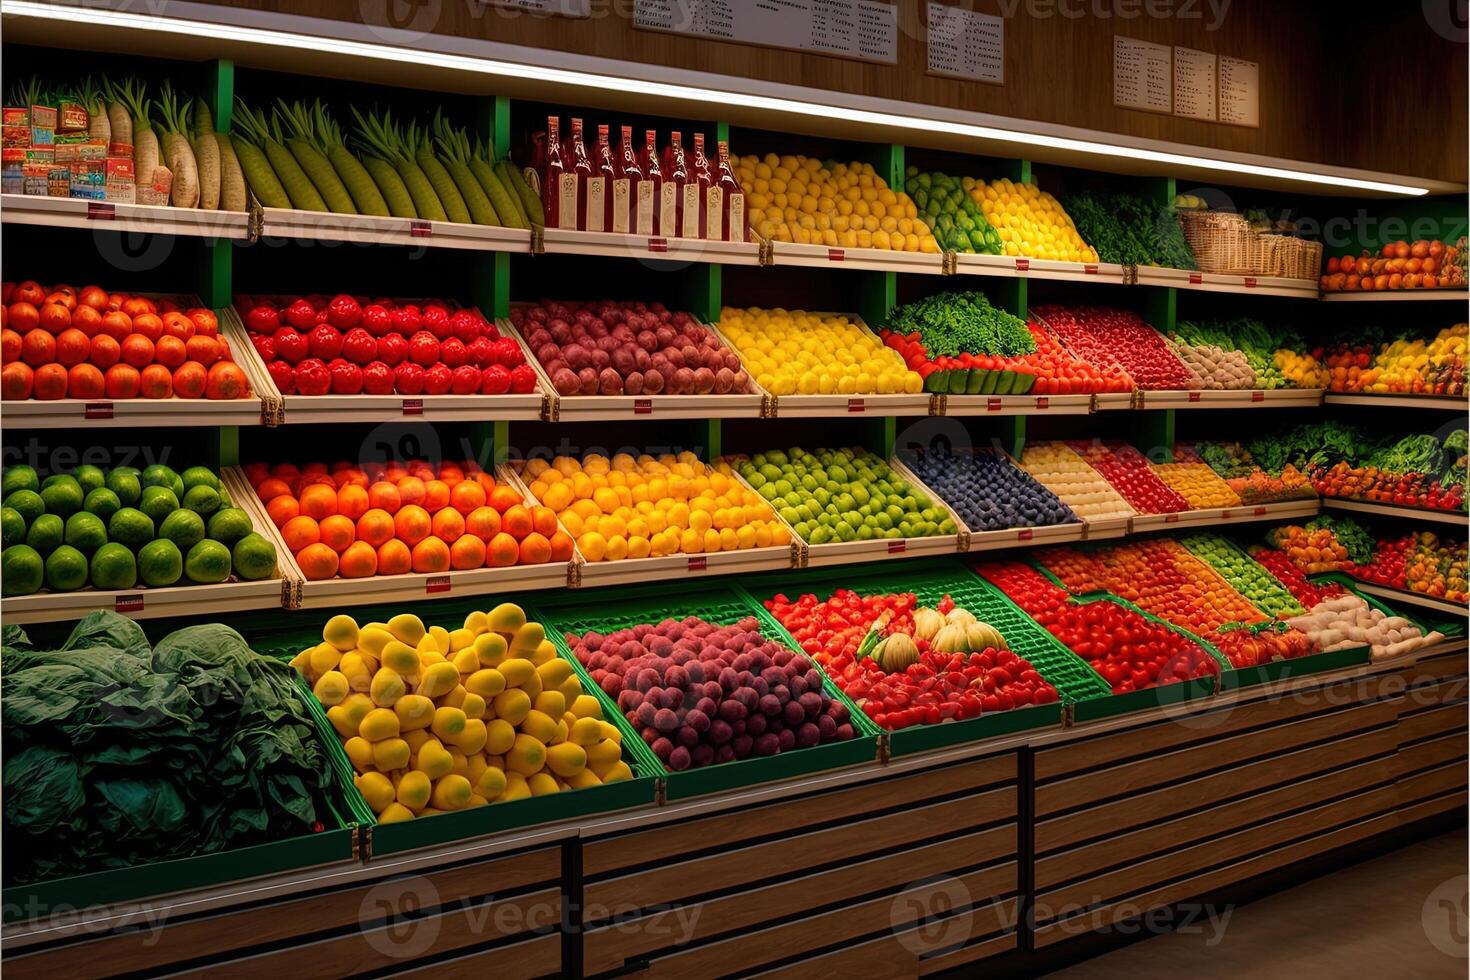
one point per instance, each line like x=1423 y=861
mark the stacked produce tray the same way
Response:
x=410 y=232
x=986 y=540
x=627 y=608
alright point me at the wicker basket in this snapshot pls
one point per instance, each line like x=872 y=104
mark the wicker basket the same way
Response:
x=1293 y=258
x=1223 y=243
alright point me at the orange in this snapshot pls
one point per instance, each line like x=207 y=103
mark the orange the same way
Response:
x=317 y=468
x=517 y=521
x=482 y=522
x=420 y=470
x=486 y=482
x=337 y=532
x=543 y=519
x=358 y=561
x=467 y=497
x=561 y=546
x=384 y=496
x=319 y=500
x=394 y=558
x=436 y=496
x=256 y=473
x=412 y=524
x=317 y=561
x=319 y=479
x=271 y=488
x=503 y=498
x=352 y=501
x=300 y=532
x=411 y=490
x=282 y=509
x=447 y=525
x=451 y=473
x=286 y=471
x=375 y=527
x=503 y=550
x=535 y=549
x=467 y=552
x=431 y=555
x=394 y=472
x=349 y=476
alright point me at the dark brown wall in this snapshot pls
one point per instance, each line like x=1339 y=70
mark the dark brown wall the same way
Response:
x=1347 y=83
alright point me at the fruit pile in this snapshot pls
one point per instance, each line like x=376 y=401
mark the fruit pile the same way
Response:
x=1398 y=265
x=1130 y=473
x=1313 y=550
x=1347 y=621
x=1233 y=463
x=1164 y=579
x=1109 y=337
x=792 y=352
x=645 y=507
x=1026 y=221
x=1198 y=484
x=1060 y=372
x=837 y=495
x=1401 y=364
x=1129 y=651
x=391 y=519
x=1244 y=574
x=803 y=200
x=907 y=665
x=611 y=348
x=1266 y=351
x=1420 y=562
x=435 y=720
x=987 y=491
x=961 y=345
x=1307 y=593
x=356 y=345
x=1301 y=369
x=1423 y=470
x=118 y=528
x=702 y=694
x=1074 y=482
x=948 y=206
x=91 y=344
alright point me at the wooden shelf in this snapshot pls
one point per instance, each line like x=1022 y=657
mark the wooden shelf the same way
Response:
x=999 y=405
x=1438 y=403
x=1412 y=598
x=860 y=259
x=1241 y=398
x=1020 y=267
x=557 y=241
x=1216 y=516
x=1461 y=296
x=414 y=233
x=1459 y=517
x=67 y=212
x=1211 y=282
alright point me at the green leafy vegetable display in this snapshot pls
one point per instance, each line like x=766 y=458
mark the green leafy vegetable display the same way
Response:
x=1350 y=534
x=117 y=755
x=1312 y=444
x=1128 y=230
x=1253 y=338
x=950 y=324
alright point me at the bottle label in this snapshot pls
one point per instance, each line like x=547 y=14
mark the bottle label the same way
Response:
x=566 y=216
x=668 y=210
x=692 y=211
x=737 y=217
x=621 y=203
x=644 y=222
x=714 y=204
x=596 y=192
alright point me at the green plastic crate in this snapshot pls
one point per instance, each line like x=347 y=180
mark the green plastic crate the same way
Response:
x=1419 y=616
x=1241 y=554
x=613 y=610
x=931 y=581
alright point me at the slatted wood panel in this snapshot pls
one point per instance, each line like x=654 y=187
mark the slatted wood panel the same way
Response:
x=281 y=922
x=901 y=955
x=525 y=960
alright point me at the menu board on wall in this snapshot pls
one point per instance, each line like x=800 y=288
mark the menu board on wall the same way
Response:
x=866 y=30
x=1240 y=92
x=966 y=44
x=1142 y=75
x=565 y=8
x=1194 y=84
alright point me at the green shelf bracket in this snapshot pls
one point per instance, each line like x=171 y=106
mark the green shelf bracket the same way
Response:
x=491 y=287
x=1153 y=434
x=702 y=286
x=1161 y=308
x=722 y=132
x=713 y=439
x=491 y=442
x=1014 y=296
x=225 y=449
x=219 y=84
x=895 y=167
x=1019 y=171
x=216 y=272
x=498 y=125
x=877 y=295
x=1012 y=435
x=882 y=434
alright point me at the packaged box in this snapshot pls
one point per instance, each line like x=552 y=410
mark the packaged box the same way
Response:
x=39 y=156
x=13 y=115
x=43 y=117
x=92 y=151
x=120 y=150
x=118 y=180
x=88 y=181
x=71 y=117
x=12 y=170
x=58 y=181
x=18 y=136
x=42 y=137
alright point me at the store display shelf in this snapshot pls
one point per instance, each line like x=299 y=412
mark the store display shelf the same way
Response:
x=561 y=241
x=413 y=232
x=1460 y=296
x=65 y=413
x=1242 y=398
x=1013 y=267
x=1021 y=537
x=1211 y=282
x=1436 y=603
x=861 y=259
x=834 y=406
x=70 y=212
x=1212 y=516
x=633 y=571
x=1437 y=403
x=1107 y=527
x=1458 y=517
x=999 y=405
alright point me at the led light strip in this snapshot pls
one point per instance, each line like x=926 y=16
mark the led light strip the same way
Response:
x=558 y=76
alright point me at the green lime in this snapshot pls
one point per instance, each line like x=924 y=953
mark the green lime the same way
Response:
x=21 y=570
x=46 y=533
x=113 y=567
x=159 y=475
x=131 y=527
x=125 y=484
x=66 y=569
x=28 y=503
x=224 y=498
x=207 y=562
x=85 y=532
x=160 y=563
x=90 y=477
x=229 y=524
x=20 y=477
x=12 y=526
x=158 y=502
x=202 y=500
x=254 y=557
x=62 y=494
x=199 y=476
x=102 y=502
x=183 y=527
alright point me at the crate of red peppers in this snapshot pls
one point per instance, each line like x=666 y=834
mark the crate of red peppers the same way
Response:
x=357 y=358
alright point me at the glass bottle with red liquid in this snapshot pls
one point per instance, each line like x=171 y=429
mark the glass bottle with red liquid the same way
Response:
x=734 y=226
x=559 y=185
x=663 y=195
x=676 y=175
x=599 y=185
x=629 y=190
x=581 y=165
x=697 y=194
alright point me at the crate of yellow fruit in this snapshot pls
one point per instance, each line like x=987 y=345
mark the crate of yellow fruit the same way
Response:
x=813 y=213
x=1037 y=237
x=817 y=365
x=641 y=518
x=484 y=726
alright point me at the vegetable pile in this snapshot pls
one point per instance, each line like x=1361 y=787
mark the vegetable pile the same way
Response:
x=1267 y=353
x=118 y=755
x=1347 y=621
x=63 y=342
x=1131 y=474
x=1001 y=217
x=1402 y=362
x=964 y=345
x=1244 y=574
x=1074 y=482
x=987 y=491
x=1254 y=485
x=1307 y=593
x=1109 y=337
x=1313 y=550
x=1127 y=230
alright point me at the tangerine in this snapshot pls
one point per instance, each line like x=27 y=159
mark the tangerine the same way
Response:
x=281 y=509
x=272 y=487
x=436 y=496
x=319 y=500
x=352 y=501
x=394 y=558
x=412 y=524
x=543 y=519
x=411 y=490
x=517 y=521
x=467 y=497
x=503 y=498
x=447 y=525
x=503 y=550
x=300 y=532
x=430 y=555
x=375 y=527
x=561 y=546
x=360 y=560
x=535 y=549
x=317 y=561
x=467 y=552
x=337 y=532
x=384 y=496
x=482 y=522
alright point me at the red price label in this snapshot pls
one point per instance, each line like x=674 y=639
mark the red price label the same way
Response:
x=131 y=602
x=897 y=547
x=420 y=229
x=1023 y=265
x=435 y=584
x=658 y=244
x=1025 y=534
x=856 y=405
x=643 y=406
x=1250 y=282
x=1090 y=270
x=1195 y=396
x=1224 y=515
x=413 y=406
x=1259 y=512
x=1171 y=518
x=698 y=563
x=101 y=211
x=836 y=255
x=992 y=404
x=1043 y=402
x=97 y=410
x=1258 y=396
x=1196 y=279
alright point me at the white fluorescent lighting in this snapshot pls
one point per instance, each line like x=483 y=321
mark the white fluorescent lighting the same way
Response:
x=485 y=66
